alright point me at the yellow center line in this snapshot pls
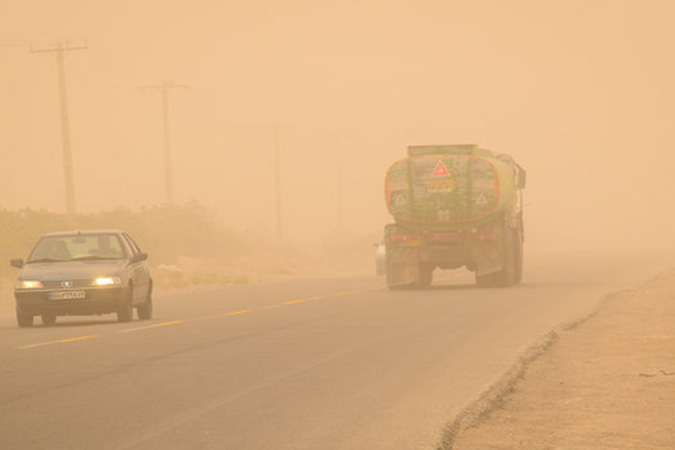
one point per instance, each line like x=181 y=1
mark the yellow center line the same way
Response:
x=163 y=324
x=293 y=302
x=80 y=338
x=337 y=294
x=234 y=313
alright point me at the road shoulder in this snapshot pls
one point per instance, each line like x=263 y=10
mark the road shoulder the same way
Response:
x=606 y=382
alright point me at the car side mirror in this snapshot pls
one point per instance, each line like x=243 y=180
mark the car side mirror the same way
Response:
x=17 y=262
x=138 y=257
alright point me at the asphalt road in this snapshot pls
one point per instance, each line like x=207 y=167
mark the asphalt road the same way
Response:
x=324 y=364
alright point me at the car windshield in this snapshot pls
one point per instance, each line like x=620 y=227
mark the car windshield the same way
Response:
x=80 y=247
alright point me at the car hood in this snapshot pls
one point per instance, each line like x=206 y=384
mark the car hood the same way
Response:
x=72 y=269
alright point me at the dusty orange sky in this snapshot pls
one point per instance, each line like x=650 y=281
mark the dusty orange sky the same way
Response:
x=581 y=93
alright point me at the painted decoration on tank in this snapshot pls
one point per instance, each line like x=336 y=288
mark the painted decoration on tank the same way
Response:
x=442 y=189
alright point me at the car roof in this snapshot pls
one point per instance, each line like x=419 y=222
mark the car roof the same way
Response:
x=77 y=232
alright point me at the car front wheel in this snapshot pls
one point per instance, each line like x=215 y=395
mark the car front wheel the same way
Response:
x=145 y=310
x=49 y=320
x=23 y=319
x=126 y=310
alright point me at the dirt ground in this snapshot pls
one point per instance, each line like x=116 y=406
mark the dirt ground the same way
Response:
x=607 y=382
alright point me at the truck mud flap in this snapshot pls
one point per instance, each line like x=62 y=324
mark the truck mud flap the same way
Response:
x=489 y=257
x=403 y=268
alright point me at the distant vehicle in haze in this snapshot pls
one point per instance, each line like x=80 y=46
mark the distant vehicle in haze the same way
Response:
x=380 y=258
x=454 y=206
x=83 y=273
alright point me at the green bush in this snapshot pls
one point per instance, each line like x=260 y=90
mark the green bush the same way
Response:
x=165 y=233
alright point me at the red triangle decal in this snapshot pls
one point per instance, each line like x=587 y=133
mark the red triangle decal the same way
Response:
x=440 y=170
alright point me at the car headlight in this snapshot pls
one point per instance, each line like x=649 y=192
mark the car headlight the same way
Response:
x=108 y=281
x=28 y=284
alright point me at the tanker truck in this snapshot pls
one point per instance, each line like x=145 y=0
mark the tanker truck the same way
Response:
x=454 y=206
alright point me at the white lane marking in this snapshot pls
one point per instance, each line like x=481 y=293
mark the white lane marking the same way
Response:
x=149 y=327
x=41 y=344
x=311 y=299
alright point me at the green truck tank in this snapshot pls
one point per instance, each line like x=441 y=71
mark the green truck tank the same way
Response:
x=454 y=206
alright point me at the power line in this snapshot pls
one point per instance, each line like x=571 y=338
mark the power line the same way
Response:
x=10 y=42
x=112 y=69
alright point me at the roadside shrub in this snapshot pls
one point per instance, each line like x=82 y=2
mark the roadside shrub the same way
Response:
x=165 y=233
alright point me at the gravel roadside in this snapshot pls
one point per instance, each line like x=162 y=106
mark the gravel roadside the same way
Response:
x=605 y=383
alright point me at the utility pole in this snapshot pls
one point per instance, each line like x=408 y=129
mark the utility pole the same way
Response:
x=277 y=178
x=276 y=129
x=61 y=49
x=277 y=182
x=340 y=185
x=165 y=89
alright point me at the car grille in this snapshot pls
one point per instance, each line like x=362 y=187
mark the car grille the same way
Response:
x=59 y=284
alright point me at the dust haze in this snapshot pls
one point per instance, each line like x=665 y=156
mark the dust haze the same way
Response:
x=580 y=93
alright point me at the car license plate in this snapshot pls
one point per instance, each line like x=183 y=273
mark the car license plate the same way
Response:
x=66 y=295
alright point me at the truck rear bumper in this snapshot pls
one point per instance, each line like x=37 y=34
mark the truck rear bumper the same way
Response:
x=446 y=256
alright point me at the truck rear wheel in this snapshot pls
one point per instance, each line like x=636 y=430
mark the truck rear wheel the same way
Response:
x=391 y=272
x=509 y=273
x=426 y=276
x=518 y=275
x=486 y=280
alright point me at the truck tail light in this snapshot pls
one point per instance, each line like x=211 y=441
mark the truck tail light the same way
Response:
x=398 y=237
x=485 y=236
